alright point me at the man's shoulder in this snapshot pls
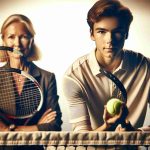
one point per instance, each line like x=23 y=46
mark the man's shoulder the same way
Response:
x=79 y=63
x=135 y=60
x=135 y=55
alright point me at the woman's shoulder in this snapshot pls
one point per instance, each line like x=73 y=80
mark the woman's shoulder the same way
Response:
x=35 y=70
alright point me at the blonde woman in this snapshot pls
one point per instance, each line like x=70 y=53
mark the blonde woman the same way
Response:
x=17 y=32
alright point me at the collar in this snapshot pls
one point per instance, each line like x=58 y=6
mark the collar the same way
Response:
x=95 y=68
x=33 y=70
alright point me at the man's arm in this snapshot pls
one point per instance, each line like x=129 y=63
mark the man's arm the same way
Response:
x=79 y=116
x=76 y=98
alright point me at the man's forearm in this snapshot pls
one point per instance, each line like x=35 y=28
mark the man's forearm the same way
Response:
x=104 y=127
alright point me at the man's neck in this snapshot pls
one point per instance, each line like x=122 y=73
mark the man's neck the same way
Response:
x=111 y=65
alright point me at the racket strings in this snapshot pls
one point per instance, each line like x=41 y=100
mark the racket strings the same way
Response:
x=15 y=92
x=17 y=99
x=13 y=103
x=7 y=84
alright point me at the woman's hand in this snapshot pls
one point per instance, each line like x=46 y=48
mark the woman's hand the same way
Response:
x=47 y=117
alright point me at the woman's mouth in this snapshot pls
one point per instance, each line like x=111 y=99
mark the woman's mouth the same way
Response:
x=18 y=52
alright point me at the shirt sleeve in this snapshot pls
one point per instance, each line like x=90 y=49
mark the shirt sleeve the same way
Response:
x=76 y=98
x=51 y=100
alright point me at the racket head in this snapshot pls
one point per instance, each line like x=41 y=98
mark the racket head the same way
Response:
x=19 y=105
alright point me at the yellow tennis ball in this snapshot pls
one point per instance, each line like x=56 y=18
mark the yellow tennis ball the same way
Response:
x=113 y=106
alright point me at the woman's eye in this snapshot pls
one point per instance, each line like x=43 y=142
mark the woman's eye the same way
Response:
x=11 y=37
x=25 y=37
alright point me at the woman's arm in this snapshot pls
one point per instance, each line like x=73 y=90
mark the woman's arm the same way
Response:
x=51 y=102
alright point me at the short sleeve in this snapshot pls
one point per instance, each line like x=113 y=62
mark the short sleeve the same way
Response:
x=76 y=99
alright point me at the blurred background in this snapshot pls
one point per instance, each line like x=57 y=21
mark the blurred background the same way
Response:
x=63 y=35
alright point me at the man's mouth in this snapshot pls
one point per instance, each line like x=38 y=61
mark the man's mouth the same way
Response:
x=110 y=48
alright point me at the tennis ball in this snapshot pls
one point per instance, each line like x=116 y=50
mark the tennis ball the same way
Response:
x=113 y=106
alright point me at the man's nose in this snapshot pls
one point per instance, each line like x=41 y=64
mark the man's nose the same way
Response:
x=109 y=37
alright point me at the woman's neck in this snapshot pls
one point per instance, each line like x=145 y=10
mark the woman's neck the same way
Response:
x=18 y=64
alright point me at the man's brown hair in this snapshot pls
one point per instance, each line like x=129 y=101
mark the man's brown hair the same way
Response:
x=109 y=8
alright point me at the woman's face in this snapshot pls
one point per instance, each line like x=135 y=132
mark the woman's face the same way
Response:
x=17 y=36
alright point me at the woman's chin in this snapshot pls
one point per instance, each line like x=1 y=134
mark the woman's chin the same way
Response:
x=16 y=56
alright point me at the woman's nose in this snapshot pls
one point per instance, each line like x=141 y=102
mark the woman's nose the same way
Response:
x=17 y=42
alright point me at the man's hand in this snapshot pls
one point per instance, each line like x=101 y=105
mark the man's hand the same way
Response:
x=47 y=117
x=126 y=126
x=113 y=121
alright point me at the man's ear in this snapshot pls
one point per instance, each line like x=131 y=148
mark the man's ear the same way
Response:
x=91 y=35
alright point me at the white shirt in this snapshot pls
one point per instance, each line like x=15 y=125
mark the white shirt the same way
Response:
x=87 y=90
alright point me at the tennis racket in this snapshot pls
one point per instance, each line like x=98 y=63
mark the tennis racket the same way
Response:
x=121 y=91
x=21 y=96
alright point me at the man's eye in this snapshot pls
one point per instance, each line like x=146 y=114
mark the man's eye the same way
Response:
x=102 y=32
x=120 y=32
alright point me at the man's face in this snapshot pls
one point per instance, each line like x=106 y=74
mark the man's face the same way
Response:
x=109 y=36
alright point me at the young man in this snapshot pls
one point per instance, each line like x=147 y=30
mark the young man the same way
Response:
x=87 y=89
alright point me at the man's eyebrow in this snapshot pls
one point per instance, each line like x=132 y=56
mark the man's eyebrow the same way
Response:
x=101 y=29
x=104 y=29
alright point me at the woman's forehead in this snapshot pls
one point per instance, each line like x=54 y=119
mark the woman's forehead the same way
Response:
x=16 y=27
